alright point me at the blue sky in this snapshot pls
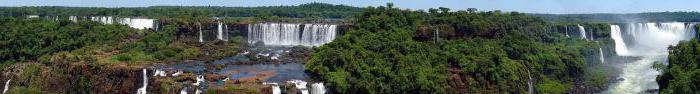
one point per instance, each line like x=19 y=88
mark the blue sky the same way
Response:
x=529 y=6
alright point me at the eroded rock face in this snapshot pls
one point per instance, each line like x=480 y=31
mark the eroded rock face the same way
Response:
x=75 y=78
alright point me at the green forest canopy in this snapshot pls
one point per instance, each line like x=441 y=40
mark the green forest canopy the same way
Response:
x=390 y=50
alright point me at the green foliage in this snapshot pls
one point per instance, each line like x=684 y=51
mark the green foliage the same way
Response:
x=26 y=90
x=132 y=56
x=553 y=87
x=28 y=39
x=396 y=51
x=598 y=76
x=683 y=69
x=383 y=60
x=188 y=53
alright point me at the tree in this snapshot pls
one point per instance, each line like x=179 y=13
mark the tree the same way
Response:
x=472 y=10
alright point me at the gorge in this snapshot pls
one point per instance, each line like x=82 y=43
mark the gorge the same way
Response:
x=647 y=42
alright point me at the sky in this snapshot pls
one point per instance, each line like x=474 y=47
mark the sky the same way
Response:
x=527 y=6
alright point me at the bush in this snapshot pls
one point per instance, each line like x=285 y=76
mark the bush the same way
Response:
x=132 y=56
x=26 y=90
x=552 y=87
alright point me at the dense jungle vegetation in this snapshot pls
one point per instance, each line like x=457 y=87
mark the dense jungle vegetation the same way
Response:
x=390 y=50
x=91 y=57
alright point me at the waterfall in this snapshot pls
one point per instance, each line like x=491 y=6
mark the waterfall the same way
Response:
x=225 y=79
x=566 y=31
x=643 y=39
x=620 y=46
x=100 y=19
x=200 y=33
x=73 y=18
x=159 y=73
x=529 y=82
x=103 y=19
x=288 y=34
x=318 y=88
x=602 y=57
x=7 y=86
x=226 y=33
x=301 y=85
x=142 y=90
x=200 y=80
x=108 y=20
x=220 y=31
x=649 y=42
x=275 y=88
x=137 y=23
x=198 y=91
x=200 y=83
x=177 y=74
x=183 y=91
x=582 y=31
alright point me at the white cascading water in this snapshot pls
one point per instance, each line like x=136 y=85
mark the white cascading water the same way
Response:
x=201 y=39
x=220 y=31
x=582 y=32
x=73 y=18
x=275 y=88
x=109 y=20
x=200 y=80
x=301 y=85
x=137 y=23
x=620 y=46
x=648 y=41
x=159 y=73
x=142 y=90
x=318 y=88
x=225 y=79
x=183 y=91
x=177 y=74
x=602 y=56
x=200 y=83
x=529 y=83
x=7 y=86
x=288 y=34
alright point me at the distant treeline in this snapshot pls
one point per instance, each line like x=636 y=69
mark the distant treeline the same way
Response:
x=310 y=10
x=624 y=18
